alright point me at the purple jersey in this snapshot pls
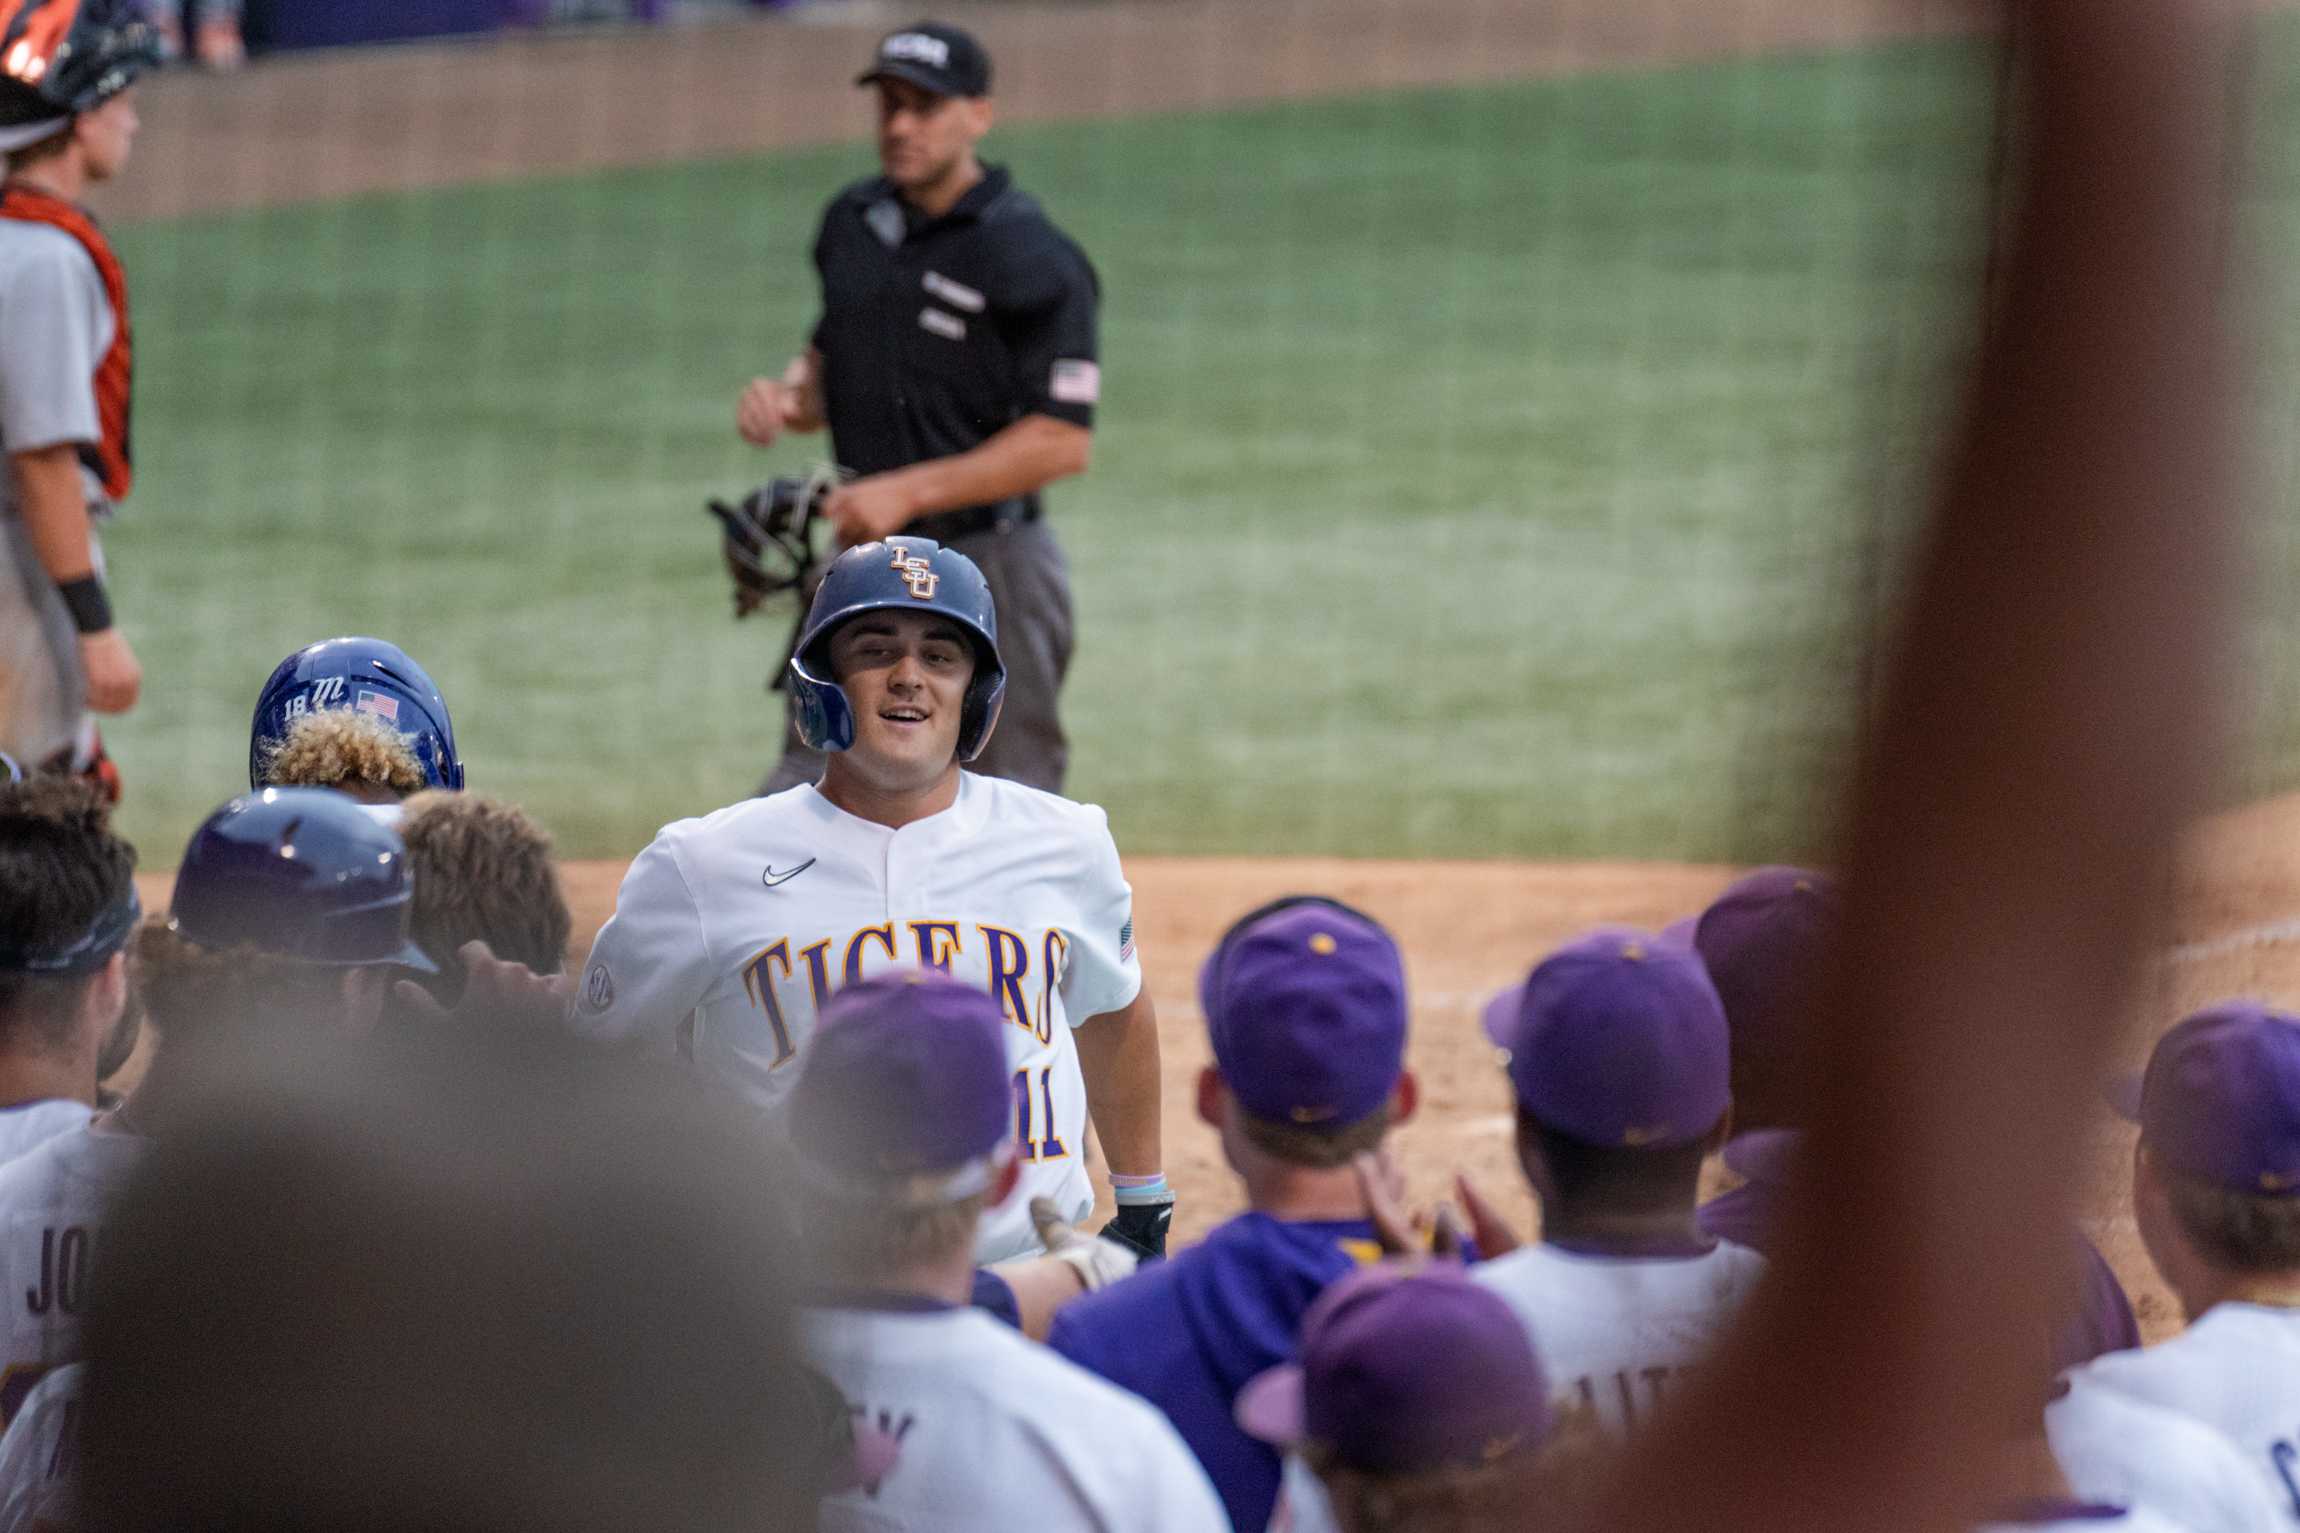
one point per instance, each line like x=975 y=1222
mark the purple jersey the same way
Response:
x=1186 y=1334
x=2101 y=1322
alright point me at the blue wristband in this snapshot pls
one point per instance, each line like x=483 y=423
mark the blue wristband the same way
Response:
x=1152 y=1191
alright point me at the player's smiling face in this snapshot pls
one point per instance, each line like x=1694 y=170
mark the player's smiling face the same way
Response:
x=905 y=675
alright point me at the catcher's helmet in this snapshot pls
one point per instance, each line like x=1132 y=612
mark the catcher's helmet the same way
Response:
x=301 y=873
x=60 y=57
x=907 y=575
x=371 y=675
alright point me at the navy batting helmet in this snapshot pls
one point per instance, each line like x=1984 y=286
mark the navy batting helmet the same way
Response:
x=370 y=675
x=61 y=57
x=300 y=873
x=904 y=575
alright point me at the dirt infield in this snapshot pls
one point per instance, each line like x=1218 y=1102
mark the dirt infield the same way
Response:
x=340 y=123
x=1469 y=927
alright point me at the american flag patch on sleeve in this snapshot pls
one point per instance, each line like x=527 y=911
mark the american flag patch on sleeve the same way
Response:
x=1075 y=382
x=1126 y=942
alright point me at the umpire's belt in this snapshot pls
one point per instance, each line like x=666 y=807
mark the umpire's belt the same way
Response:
x=949 y=526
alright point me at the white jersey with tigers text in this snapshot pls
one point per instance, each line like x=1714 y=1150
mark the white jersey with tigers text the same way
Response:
x=52 y=1204
x=1616 y=1332
x=2121 y=1451
x=2237 y=1370
x=731 y=931
x=995 y=1433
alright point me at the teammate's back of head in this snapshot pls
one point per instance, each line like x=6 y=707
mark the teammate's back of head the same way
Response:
x=1305 y=1006
x=450 y=1279
x=354 y=753
x=2216 y=1176
x=1418 y=1403
x=360 y=675
x=901 y=1125
x=67 y=908
x=1617 y=1055
x=290 y=904
x=1763 y=941
x=483 y=871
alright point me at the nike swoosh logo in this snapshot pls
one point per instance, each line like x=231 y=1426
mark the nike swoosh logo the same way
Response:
x=771 y=878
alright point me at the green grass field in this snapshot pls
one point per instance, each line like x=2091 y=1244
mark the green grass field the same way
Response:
x=1483 y=473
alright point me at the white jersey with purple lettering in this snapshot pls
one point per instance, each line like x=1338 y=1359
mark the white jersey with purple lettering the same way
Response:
x=52 y=1204
x=730 y=932
x=39 y=1453
x=1615 y=1331
x=996 y=1433
x=2121 y=1451
x=2237 y=1370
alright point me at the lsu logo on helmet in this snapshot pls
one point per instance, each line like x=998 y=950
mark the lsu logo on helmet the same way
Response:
x=916 y=572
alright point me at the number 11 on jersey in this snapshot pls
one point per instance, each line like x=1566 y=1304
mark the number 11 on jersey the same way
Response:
x=1049 y=1147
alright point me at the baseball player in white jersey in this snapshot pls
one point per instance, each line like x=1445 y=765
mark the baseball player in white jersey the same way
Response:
x=2216 y=1193
x=38 y=1455
x=292 y=902
x=1617 y=1050
x=732 y=932
x=902 y=1131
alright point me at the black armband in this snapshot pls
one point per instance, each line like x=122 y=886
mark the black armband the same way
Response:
x=91 y=609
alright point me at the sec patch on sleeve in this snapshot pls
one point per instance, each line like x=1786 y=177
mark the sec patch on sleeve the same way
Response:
x=1075 y=383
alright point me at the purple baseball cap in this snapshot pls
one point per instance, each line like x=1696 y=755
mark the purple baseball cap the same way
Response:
x=1761 y=941
x=2220 y=1100
x=1305 y=1001
x=1617 y=1038
x=1404 y=1369
x=905 y=1081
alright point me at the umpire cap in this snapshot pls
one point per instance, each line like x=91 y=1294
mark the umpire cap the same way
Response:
x=62 y=57
x=301 y=873
x=906 y=575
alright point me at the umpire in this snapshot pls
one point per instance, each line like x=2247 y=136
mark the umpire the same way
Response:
x=955 y=364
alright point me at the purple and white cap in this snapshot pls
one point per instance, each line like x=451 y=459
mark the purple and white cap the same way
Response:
x=1761 y=941
x=903 y=1095
x=1402 y=1370
x=2220 y=1100
x=1305 y=1003
x=1617 y=1039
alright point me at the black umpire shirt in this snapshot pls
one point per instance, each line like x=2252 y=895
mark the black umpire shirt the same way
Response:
x=937 y=333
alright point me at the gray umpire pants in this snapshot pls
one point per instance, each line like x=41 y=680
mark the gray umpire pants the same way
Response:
x=1030 y=581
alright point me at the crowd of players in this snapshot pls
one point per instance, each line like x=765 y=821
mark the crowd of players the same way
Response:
x=347 y=1087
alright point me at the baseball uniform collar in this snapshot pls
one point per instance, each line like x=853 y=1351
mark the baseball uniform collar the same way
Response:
x=964 y=816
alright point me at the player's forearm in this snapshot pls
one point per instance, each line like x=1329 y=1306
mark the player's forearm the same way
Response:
x=54 y=505
x=1118 y=1056
x=1029 y=455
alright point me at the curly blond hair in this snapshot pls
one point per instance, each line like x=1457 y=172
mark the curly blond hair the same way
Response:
x=342 y=747
x=483 y=870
